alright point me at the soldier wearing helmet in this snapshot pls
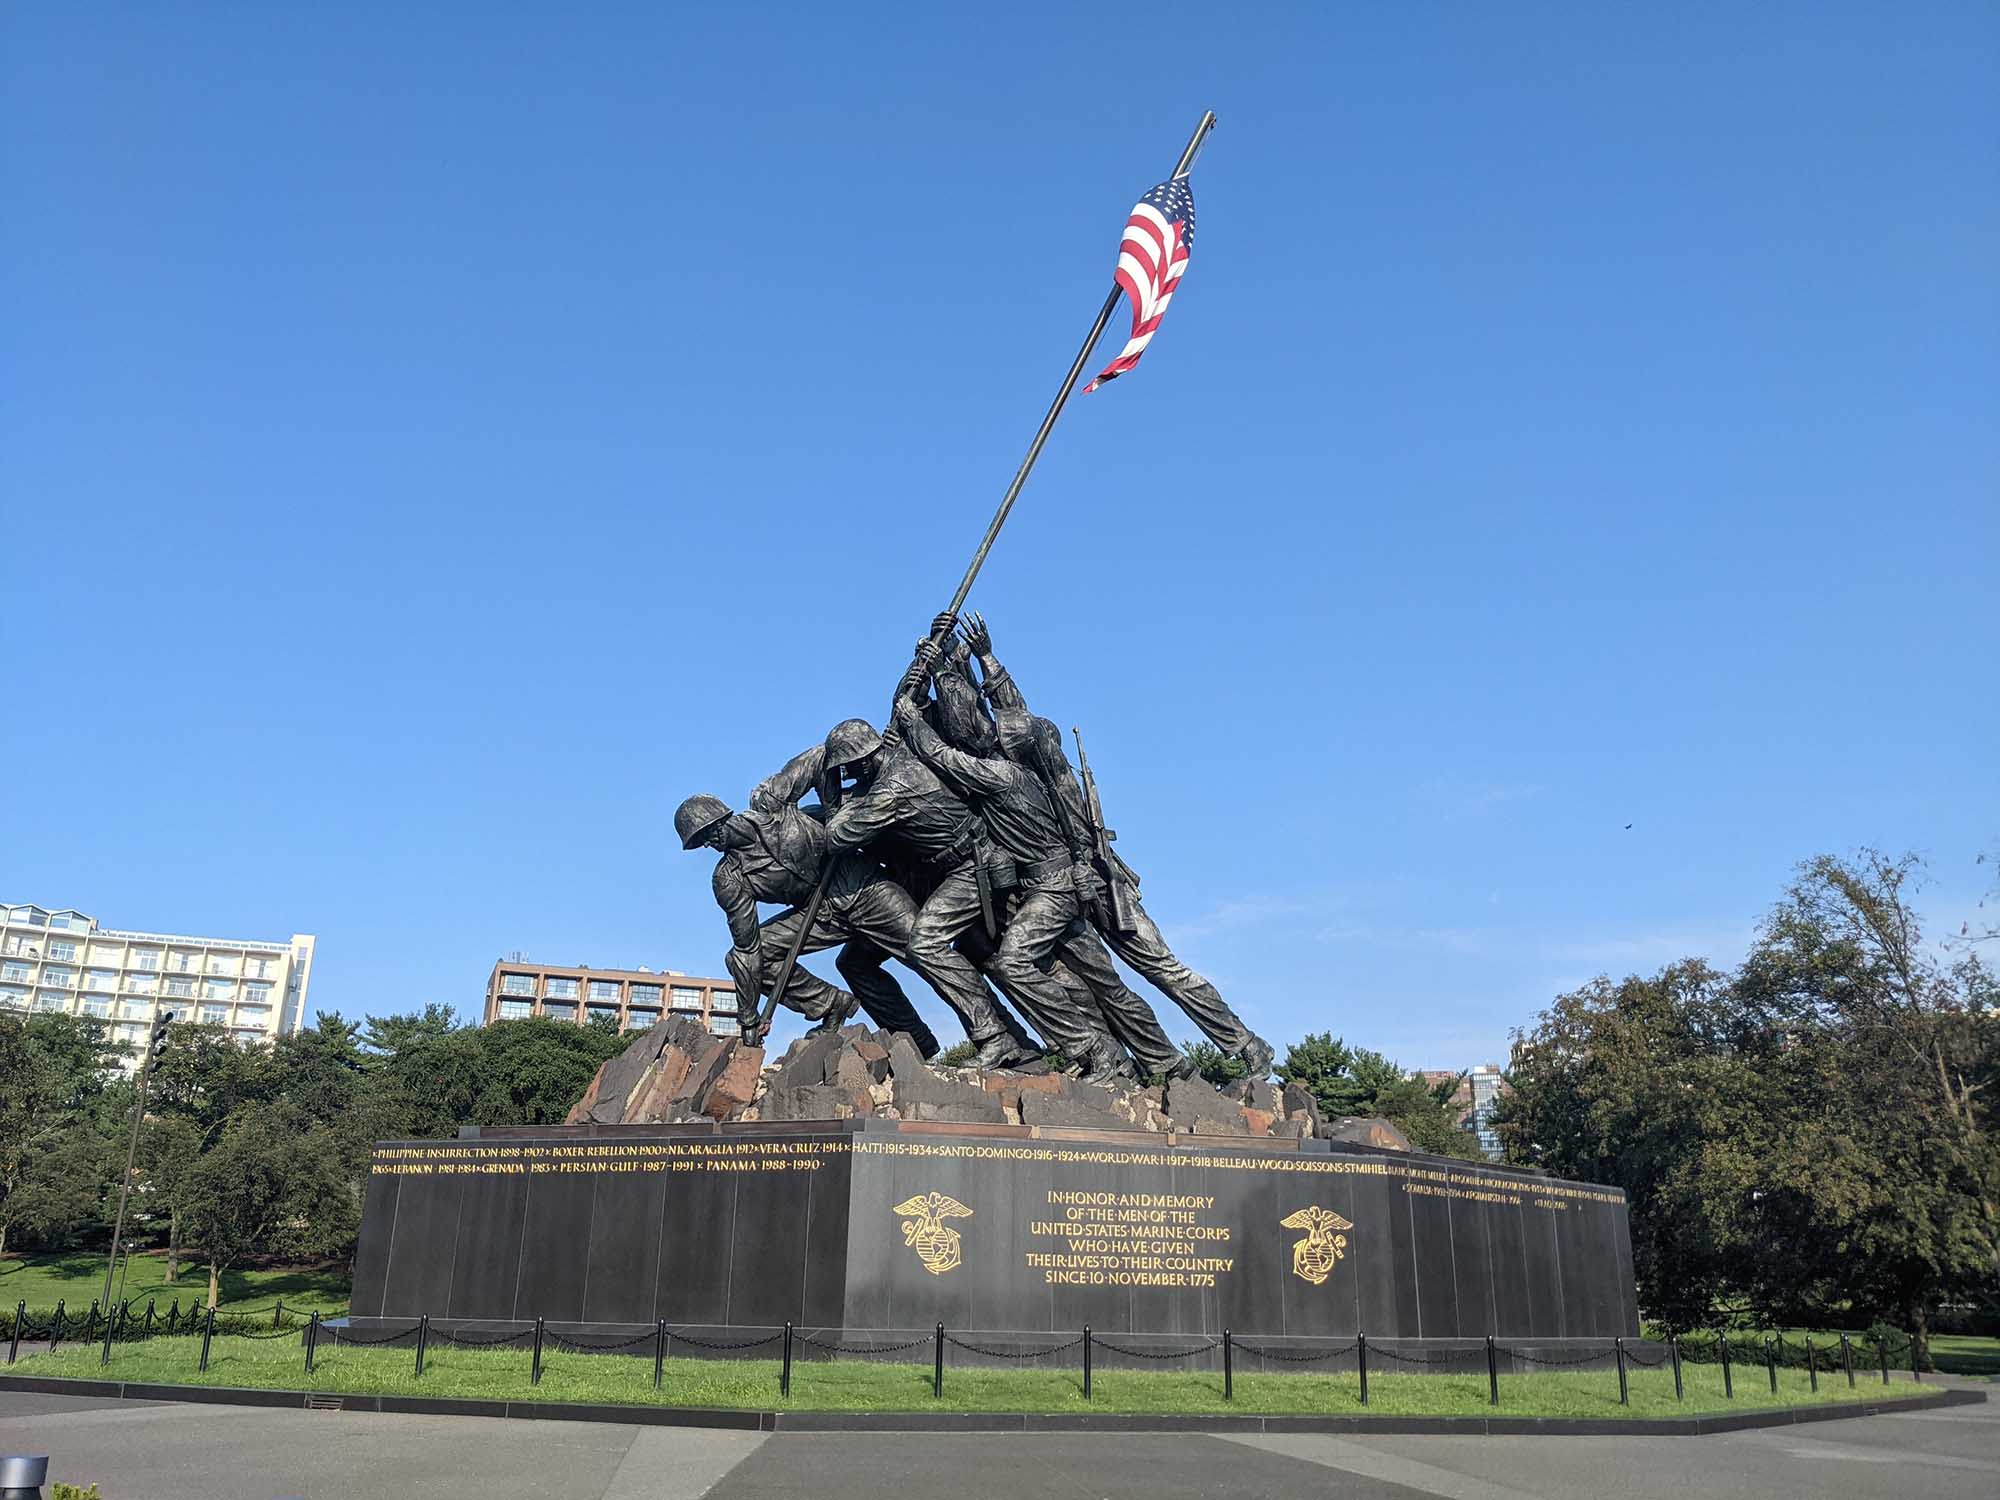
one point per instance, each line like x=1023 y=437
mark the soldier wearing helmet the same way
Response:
x=1040 y=742
x=774 y=852
x=894 y=807
x=1021 y=822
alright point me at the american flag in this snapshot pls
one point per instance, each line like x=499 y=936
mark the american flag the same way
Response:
x=1151 y=260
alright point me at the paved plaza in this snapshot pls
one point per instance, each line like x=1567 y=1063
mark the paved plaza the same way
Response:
x=168 y=1451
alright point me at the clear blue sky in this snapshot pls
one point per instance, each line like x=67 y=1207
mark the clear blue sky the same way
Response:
x=439 y=438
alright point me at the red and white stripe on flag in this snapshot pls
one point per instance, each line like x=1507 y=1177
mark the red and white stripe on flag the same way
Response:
x=1151 y=260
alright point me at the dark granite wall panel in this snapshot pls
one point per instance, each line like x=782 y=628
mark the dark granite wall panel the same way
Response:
x=555 y=1248
x=420 y=1261
x=881 y=1226
x=622 y=1274
x=488 y=1252
x=371 y=1250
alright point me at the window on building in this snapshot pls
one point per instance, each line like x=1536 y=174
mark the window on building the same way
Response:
x=516 y=1010
x=64 y=977
x=517 y=984
x=15 y=971
x=642 y=1017
x=93 y=1006
x=604 y=989
x=59 y=919
x=220 y=989
x=214 y=1015
x=146 y=958
x=601 y=1013
x=13 y=998
x=32 y=917
x=51 y=1000
x=137 y=1009
x=63 y=949
x=645 y=994
x=141 y=984
x=260 y=968
x=184 y=963
x=723 y=1025
x=221 y=965
x=561 y=989
x=685 y=999
x=723 y=1001
x=182 y=987
x=100 y=979
x=562 y=1010
x=257 y=994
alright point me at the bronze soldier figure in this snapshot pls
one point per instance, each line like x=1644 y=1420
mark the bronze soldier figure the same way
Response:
x=1080 y=961
x=1050 y=877
x=775 y=852
x=1141 y=944
x=899 y=812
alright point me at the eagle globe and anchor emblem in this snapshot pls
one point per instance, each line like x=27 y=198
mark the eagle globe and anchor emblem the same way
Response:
x=924 y=1230
x=1313 y=1257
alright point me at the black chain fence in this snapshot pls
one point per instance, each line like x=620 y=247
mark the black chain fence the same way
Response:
x=1756 y=1357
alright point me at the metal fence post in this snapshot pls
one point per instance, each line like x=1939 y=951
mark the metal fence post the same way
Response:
x=173 y=1317
x=1812 y=1366
x=535 y=1373
x=659 y=1352
x=149 y=1318
x=937 y=1362
x=1728 y=1385
x=55 y=1326
x=278 y=1315
x=1228 y=1367
x=1624 y=1391
x=1847 y=1359
x=1492 y=1372
x=785 y=1371
x=1882 y=1353
x=14 y=1344
x=312 y=1342
x=1361 y=1363
x=1916 y=1374
x=104 y=1355
x=423 y=1341
x=207 y=1336
x=1771 y=1364
x=90 y=1323
x=1674 y=1349
x=1086 y=1361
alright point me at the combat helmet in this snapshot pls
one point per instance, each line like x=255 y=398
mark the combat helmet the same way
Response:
x=698 y=816
x=851 y=740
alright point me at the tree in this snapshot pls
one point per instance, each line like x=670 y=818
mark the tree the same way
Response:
x=170 y=1148
x=1635 y=1084
x=53 y=1070
x=386 y=1037
x=1841 y=967
x=1803 y=1139
x=268 y=1185
x=1347 y=1080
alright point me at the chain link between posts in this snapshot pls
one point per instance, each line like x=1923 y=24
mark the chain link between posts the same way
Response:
x=1294 y=1358
x=970 y=1348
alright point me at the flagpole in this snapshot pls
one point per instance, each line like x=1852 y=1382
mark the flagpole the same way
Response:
x=810 y=914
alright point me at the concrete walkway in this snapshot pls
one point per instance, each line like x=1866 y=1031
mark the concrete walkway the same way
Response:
x=139 y=1451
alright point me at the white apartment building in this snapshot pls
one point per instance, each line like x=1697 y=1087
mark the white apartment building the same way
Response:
x=62 y=961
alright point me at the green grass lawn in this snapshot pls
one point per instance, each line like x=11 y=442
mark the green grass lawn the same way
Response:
x=78 y=1280
x=855 y=1385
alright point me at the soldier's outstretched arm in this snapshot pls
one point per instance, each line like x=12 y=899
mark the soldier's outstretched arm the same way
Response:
x=791 y=781
x=969 y=773
x=999 y=686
